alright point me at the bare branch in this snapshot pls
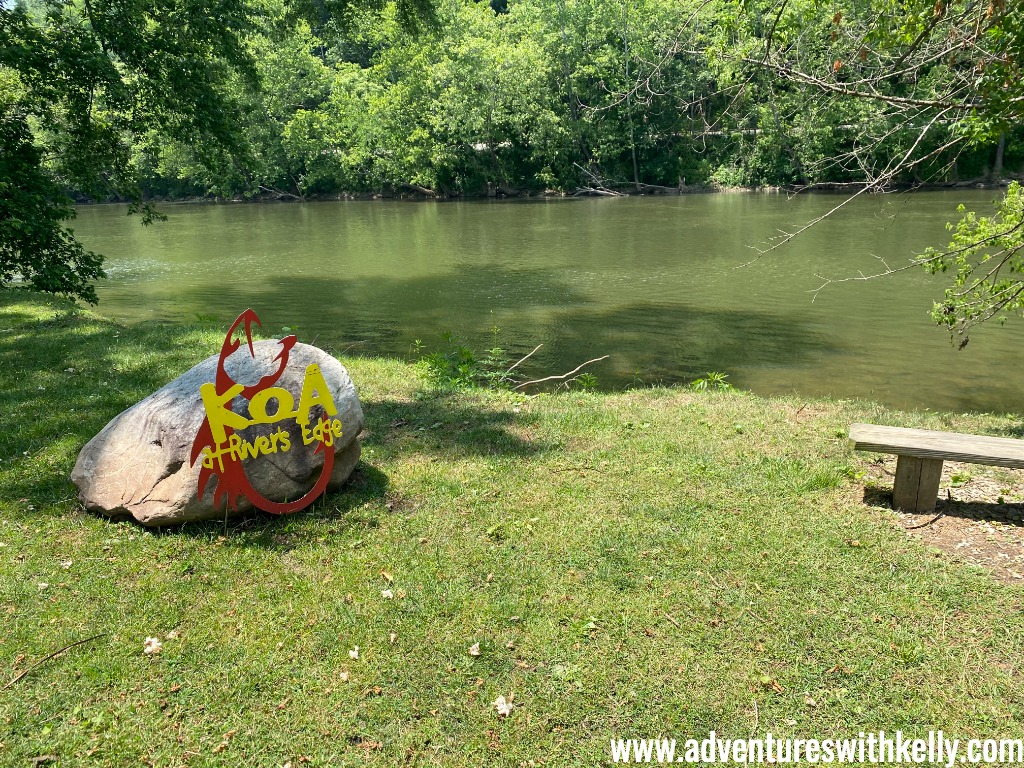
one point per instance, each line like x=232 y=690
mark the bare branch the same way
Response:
x=891 y=170
x=574 y=371
x=771 y=32
x=782 y=69
x=50 y=656
x=523 y=359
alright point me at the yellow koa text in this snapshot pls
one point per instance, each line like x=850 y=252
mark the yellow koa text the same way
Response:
x=268 y=406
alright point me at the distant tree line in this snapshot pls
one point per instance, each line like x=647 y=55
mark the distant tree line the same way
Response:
x=534 y=95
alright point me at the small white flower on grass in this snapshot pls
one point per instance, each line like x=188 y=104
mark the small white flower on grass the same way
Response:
x=474 y=649
x=65 y=564
x=354 y=653
x=43 y=585
x=504 y=707
x=152 y=646
x=344 y=675
x=387 y=594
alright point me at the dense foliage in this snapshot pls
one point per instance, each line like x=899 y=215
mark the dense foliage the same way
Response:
x=612 y=95
x=81 y=87
x=34 y=244
x=90 y=90
x=986 y=257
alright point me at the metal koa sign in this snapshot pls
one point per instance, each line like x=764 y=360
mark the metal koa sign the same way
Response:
x=223 y=451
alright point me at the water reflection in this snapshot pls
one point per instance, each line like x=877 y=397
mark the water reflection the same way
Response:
x=657 y=283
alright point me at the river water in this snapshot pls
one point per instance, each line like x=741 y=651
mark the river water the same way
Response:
x=669 y=287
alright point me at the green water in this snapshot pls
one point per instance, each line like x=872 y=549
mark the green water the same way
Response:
x=656 y=283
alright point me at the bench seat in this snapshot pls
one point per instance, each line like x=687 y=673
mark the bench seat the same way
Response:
x=921 y=453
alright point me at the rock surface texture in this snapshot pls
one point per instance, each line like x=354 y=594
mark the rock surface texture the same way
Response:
x=138 y=465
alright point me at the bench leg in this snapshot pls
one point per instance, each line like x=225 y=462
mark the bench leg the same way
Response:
x=917 y=484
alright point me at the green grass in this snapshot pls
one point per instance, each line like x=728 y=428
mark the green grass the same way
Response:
x=649 y=562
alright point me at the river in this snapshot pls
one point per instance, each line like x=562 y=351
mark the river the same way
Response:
x=669 y=287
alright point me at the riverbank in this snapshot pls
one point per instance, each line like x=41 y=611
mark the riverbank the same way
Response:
x=654 y=561
x=623 y=189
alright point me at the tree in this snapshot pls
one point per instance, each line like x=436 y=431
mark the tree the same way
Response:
x=940 y=82
x=85 y=83
x=32 y=209
x=986 y=256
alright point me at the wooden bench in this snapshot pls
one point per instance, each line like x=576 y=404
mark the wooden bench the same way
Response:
x=921 y=453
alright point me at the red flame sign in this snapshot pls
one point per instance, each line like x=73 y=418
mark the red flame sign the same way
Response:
x=232 y=481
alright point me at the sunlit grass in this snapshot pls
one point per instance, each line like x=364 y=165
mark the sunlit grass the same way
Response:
x=632 y=564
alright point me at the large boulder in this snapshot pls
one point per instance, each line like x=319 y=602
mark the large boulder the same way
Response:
x=139 y=464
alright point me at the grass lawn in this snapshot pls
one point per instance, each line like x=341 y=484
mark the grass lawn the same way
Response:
x=655 y=561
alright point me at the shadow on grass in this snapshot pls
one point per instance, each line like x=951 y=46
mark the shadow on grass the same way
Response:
x=445 y=425
x=344 y=510
x=1009 y=514
x=63 y=377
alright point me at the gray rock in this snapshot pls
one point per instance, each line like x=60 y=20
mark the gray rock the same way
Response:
x=138 y=465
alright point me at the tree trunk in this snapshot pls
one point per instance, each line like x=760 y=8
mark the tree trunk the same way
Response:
x=629 y=100
x=997 y=172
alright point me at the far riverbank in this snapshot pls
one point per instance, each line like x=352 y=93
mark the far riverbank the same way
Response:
x=500 y=192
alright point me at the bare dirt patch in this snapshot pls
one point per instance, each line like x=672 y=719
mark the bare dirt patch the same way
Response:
x=978 y=519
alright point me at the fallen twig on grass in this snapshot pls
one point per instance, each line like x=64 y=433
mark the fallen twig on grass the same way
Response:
x=924 y=524
x=574 y=371
x=52 y=655
x=949 y=500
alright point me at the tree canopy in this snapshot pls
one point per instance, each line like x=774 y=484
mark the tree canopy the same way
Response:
x=89 y=87
x=933 y=82
x=81 y=85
